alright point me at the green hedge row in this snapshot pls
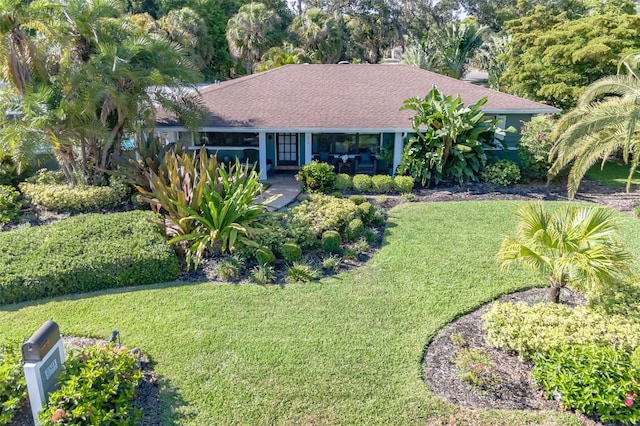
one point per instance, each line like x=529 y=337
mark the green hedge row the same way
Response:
x=84 y=253
x=71 y=198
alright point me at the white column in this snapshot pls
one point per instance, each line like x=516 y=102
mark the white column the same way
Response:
x=398 y=147
x=262 y=151
x=307 y=148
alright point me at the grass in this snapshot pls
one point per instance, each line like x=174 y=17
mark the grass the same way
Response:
x=346 y=350
x=613 y=175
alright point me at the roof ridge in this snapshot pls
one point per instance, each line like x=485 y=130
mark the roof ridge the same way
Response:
x=244 y=78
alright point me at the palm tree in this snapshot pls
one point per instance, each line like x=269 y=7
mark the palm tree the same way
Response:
x=572 y=245
x=319 y=33
x=605 y=122
x=455 y=44
x=249 y=31
x=283 y=55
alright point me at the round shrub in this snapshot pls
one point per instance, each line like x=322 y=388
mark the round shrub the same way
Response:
x=356 y=199
x=502 y=172
x=366 y=211
x=265 y=256
x=534 y=147
x=362 y=183
x=291 y=252
x=310 y=219
x=337 y=195
x=382 y=184
x=403 y=184
x=316 y=177
x=343 y=182
x=9 y=204
x=331 y=241
x=354 y=229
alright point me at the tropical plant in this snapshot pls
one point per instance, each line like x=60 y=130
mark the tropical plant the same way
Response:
x=455 y=45
x=10 y=204
x=488 y=58
x=502 y=172
x=316 y=177
x=278 y=56
x=450 y=138
x=535 y=145
x=249 y=33
x=320 y=34
x=604 y=123
x=572 y=244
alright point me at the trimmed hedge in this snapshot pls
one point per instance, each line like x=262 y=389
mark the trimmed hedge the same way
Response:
x=84 y=253
x=70 y=198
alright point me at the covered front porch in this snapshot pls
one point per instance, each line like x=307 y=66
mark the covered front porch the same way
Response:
x=349 y=152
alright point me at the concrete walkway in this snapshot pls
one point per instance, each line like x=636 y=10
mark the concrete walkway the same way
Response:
x=283 y=184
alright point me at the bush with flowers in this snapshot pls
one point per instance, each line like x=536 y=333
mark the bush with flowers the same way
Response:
x=316 y=177
x=534 y=146
x=97 y=386
x=592 y=379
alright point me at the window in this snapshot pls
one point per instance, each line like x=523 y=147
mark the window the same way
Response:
x=229 y=139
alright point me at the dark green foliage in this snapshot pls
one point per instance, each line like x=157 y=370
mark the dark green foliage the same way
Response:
x=343 y=182
x=316 y=177
x=366 y=211
x=265 y=256
x=98 y=386
x=10 y=173
x=271 y=231
x=9 y=204
x=291 y=252
x=534 y=147
x=84 y=253
x=449 y=139
x=356 y=199
x=65 y=198
x=382 y=184
x=337 y=195
x=331 y=241
x=13 y=386
x=354 y=229
x=404 y=184
x=592 y=380
x=362 y=183
x=502 y=172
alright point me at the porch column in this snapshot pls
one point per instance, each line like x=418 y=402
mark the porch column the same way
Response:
x=262 y=154
x=398 y=147
x=307 y=148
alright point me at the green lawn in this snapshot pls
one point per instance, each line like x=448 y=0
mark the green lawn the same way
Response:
x=614 y=175
x=346 y=350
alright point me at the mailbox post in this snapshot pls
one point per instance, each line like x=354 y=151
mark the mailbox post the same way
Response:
x=43 y=356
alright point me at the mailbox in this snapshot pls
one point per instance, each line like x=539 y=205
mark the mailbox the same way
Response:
x=41 y=342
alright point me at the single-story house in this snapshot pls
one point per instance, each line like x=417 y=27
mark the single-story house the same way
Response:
x=347 y=114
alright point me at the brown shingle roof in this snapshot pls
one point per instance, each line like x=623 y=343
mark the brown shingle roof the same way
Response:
x=343 y=96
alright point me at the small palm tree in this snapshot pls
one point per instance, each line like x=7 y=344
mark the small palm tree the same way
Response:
x=605 y=122
x=572 y=245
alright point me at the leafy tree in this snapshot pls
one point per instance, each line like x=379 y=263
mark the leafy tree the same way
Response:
x=488 y=58
x=553 y=59
x=320 y=34
x=250 y=33
x=450 y=139
x=604 y=123
x=573 y=245
x=283 y=55
x=186 y=28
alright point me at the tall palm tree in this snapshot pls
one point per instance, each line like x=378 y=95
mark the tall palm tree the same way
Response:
x=605 y=122
x=249 y=33
x=455 y=44
x=319 y=33
x=571 y=245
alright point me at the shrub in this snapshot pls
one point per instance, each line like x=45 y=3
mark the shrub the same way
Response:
x=48 y=177
x=636 y=211
x=84 y=253
x=474 y=365
x=382 y=183
x=70 y=198
x=302 y=273
x=354 y=229
x=591 y=379
x=408 y=197
x=97 y=386
x=265 y=256
x=361 y=246
x=541 y=328
x=228 y=268
x=362 y=183
x=350 y=253
x=10 y=205
x=271 y=231
x=262 y=274
x=322 y=213
x=356 y=199
x=366 y=211
x=331 y=241
x=534 y=147
x=370 y=235
x=378 y=216
x=316 y=177
x=343 y=182
x=13 y=386
x=291 y=252
x=502 y=172
x=403 y=184
x=331 y=262
x=337 y=195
